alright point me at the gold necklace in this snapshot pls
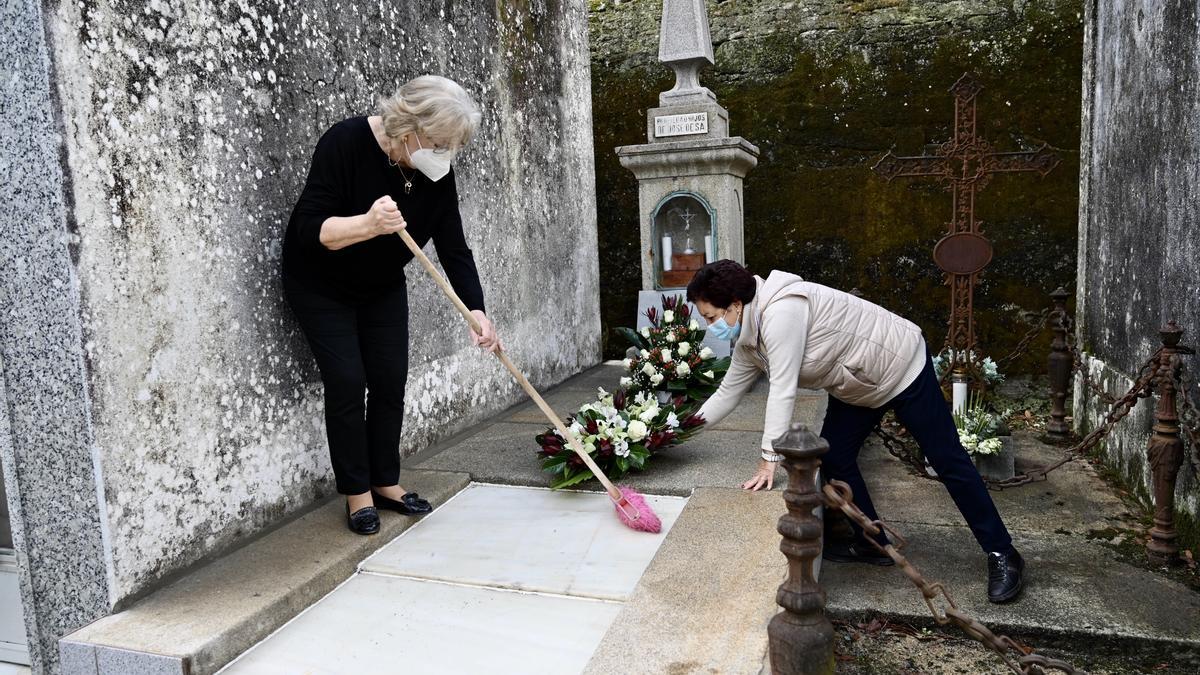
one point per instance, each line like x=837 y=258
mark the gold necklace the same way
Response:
x=407 y=181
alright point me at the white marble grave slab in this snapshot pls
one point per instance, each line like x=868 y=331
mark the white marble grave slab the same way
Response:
x=380 y=624
x=530 y=539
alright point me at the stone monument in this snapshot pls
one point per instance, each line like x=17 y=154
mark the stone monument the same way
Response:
x=690 y=171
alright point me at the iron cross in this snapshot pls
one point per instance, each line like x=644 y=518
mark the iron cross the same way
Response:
x=965 y=164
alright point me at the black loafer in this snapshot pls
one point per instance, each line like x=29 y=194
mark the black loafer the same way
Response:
x=363 y=521
x=410 y=504
x=1006 y=576
x=855 y=551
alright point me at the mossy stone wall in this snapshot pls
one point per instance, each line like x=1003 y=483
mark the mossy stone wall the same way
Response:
x=824 y=89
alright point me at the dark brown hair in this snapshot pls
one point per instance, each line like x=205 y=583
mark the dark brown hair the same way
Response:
x=720 y=283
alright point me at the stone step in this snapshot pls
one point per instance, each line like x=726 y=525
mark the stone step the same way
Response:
x=203 y=621
x=705 y=600
x=703 y=604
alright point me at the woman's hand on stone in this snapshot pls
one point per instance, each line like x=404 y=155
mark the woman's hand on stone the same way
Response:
x=763 y=477
x=385 y=217
x=487 y=339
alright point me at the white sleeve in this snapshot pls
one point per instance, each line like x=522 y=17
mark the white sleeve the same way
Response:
x=784 y=332
x=737 y=381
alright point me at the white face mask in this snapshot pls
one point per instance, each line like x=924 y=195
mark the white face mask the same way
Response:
x=435 y=164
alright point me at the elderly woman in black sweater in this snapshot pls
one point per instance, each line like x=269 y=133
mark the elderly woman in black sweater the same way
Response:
x=343 y=274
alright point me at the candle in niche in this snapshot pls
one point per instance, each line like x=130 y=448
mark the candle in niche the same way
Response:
x=709 y=253
x=667 y=252
x=959 y=393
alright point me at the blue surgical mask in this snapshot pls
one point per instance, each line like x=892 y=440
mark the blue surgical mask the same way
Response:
x=723 y=331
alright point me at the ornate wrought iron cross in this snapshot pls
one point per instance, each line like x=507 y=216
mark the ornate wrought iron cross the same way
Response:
x=964 y=164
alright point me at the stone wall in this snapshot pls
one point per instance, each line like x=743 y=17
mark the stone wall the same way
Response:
x=1139 y=207
x=826 y=87
x=160 y=395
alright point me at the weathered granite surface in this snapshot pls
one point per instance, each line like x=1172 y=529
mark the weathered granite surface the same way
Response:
x=158 y=389
x=46 y=432
x=1139 y=205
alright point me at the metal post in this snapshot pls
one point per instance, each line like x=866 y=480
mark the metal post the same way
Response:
x=1059 y=366
x=801 y=637
x=1165 y=451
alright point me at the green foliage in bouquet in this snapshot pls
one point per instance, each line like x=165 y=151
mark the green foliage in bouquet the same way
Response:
x=671 y=356
x=620 y=432
x=979 y=429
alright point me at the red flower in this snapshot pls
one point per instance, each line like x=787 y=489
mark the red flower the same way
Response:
x=593 y=428
x=606 y=448
x=685 y=312
x=693 y=421
x=619 y=399
x=575 y=460
x=652 y=314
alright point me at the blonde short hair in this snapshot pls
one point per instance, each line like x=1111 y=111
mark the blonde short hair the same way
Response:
x=435 y=106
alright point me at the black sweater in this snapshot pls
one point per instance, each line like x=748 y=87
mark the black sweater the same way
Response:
x=349 y=172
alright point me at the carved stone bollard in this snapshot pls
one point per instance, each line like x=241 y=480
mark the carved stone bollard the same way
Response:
x=801 y=636
x=1059 y=366
x=1165 y=451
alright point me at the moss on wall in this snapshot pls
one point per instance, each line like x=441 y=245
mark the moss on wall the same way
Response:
x=823 y=99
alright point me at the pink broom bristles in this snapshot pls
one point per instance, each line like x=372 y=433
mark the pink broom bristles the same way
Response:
x=635 y=513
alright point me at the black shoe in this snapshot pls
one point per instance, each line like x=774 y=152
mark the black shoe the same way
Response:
x=1006 y=576
x=855 y=551
x=363 y=521
x=410 y=504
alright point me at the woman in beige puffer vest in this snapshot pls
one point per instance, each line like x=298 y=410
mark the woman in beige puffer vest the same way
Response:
x=869 y=360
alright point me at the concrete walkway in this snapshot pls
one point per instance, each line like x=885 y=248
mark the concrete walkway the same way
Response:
x=550 y=582
x=1080 y=588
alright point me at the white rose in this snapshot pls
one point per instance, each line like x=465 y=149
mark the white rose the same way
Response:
x=649 y=369
x=656 y=379
x=683 y=370
x=706 y=353
x=646 y=332
x=671 y=336
x=684 y=348
x=645 y=354
x=710 y=374
x=668 y=316
x=637 y=430
x=628 y=363
x=693 y=325
x=625 y=381
x=666 y=356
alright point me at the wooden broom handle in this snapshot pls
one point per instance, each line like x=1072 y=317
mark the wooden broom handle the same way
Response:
x=613 y=492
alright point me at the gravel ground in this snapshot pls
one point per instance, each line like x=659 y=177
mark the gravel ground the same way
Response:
x=879 y=648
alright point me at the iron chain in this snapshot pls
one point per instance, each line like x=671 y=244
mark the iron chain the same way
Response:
x=1023 y=345
x=1189 y=416
x=1142 y=388
x=837 y=495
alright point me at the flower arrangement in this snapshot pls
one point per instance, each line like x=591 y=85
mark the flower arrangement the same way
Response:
x=979 y=429
x=987 y=367
x=669 y=373
x=620 y=431
x=670 y=356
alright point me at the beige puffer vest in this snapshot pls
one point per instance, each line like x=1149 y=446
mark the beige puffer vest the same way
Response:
x=855 y=350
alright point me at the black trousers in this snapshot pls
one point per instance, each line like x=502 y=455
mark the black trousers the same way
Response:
x=922 y=409
x=362 y=353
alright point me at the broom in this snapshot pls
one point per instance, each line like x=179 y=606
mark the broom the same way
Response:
x=631 y=506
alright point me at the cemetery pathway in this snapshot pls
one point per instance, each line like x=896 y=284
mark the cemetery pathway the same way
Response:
x=495 y=562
